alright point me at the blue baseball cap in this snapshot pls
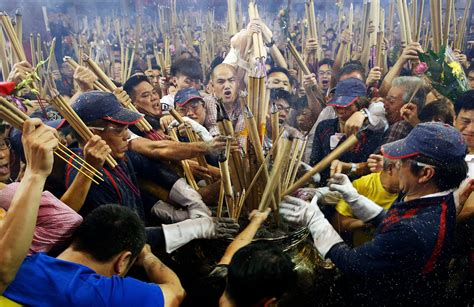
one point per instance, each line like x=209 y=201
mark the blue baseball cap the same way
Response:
x=184 y=96
x=96 y=105
x=435 y=140
x=347 y=92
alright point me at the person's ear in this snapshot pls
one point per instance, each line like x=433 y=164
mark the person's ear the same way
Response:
x=270 y=302
x=122 y=263
x=427 y=174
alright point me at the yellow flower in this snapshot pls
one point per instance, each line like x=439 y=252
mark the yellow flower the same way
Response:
x=457 y=69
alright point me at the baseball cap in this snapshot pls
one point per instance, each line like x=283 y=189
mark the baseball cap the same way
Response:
x=184 y=96
x=435 y=140
x=96 y=105
x=347 y=92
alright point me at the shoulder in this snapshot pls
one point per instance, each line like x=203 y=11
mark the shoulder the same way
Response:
x=130 y=291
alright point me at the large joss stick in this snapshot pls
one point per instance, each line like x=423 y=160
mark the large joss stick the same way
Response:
x=347 y=55
x=77 y=124
x=323 y=164
x=462 y=28
x=19 y=25
x=435 y=11
x=231 y=18
x=406 y=19
x=312 y=26
x=74 y=65
x=16 y=118
x=447 y=22
x=401 y=16
x=3 y=56
x=257 y=38
x=380 y=41
x=275 y=176
x=143 y=124
x=391 y=11
x=184 y=163
x=419 y=20
x=192 y=136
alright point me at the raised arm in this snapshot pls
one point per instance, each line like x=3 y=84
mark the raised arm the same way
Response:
x=17 y=228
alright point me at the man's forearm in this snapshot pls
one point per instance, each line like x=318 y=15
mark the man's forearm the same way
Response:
x=243 y=239
x=76 y=194
x=168 y=150
x=392 y=74
x=18 y=226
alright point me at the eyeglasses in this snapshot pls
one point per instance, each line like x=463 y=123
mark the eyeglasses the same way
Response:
x=398 y=164
x=191 y=106
x=5 y=144
x=113 y=129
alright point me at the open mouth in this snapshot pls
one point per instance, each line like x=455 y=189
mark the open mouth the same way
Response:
x=4 y=169
x=228 y=93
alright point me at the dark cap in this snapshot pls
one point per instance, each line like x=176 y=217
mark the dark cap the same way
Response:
x=96 y=105
x=347 y=92
x=184 y=96
x=435 y=140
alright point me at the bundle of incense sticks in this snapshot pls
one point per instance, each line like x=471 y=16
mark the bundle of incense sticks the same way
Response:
x=436 y=27
x=348 y=47
x=143 y=124
x=239 y=177
x=380 y=54
x=419 y=19
x=192 y=137
x=258 y=47
x=74 y=65
x=312 y=29
x=184 y=163
x=231 y=17
x=3 y=56
x=459 y=38
x=15 y=41
x=76 y=123
x=12 y=115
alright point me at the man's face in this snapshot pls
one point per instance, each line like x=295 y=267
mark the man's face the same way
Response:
x=4 y=159
x=407 y=180
x=305 y=119
x=154 y=76
x=146 y=99
x=465 y=124
x=278 y=80
x=324 y=76
x=224 y=84
x=195 y=110
x=393 y=103
x=344 y=113
x=470 y=77
x=183 y=82
x=116 y=136
x=284 y=107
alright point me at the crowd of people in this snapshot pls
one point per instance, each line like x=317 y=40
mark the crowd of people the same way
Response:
x=394 y=213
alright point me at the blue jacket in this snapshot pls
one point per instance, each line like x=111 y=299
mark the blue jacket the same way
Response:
x=406 y=262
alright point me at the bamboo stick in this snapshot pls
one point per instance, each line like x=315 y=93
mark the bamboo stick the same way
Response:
x=275 y=175
x=447 y=22
x=323 y=164
x=407 y=22
x=19 y=27
x=3 y=57
x=419 y=20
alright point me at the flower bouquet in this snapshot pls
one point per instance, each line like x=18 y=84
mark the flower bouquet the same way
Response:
x=444 y=72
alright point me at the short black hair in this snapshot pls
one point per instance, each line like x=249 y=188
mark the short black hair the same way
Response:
x=257 y=271
x=438 y=110
x=108 y=231
x=133 y=82
x=326 y=61
x=188 y=67
x=278 y=93
x=350 y=68
x=464 y=101
x=448 y=174
x=279 y=69
x=300 y=103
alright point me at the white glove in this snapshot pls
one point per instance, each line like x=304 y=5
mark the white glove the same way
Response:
x=309 y=193
x=179 y=234
x=168 y=214
x=195 y=126
x=184 y=195
x=316 y=177
x=300 y=212
x=362 y=207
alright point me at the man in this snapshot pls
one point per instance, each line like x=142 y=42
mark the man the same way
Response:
x=348 y=99
x=18 y=225
x=402 y=91
x=278 y=77
x=282 y=100
x=186 y=72
x=470 y=76
x=407 y=261
x=91 y=270
x=154 y=75
x=4 y=155
x=382 y=188
x=105 y=117
x=147 y=101
x=325 y=74
x=258 y=275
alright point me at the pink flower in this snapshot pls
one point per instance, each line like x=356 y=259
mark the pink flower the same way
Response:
x=421 y=68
